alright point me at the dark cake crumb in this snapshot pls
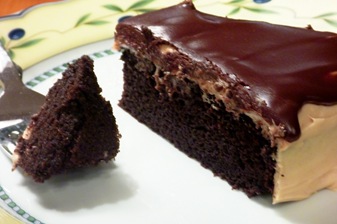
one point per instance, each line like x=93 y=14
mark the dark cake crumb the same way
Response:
x=240 y=96
x=235 y=150
x=74 y=128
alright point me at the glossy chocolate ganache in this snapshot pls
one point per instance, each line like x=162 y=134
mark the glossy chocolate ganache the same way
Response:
x=277 y=69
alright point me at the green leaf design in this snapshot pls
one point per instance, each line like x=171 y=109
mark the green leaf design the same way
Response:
x=259 y=10
x=3 y=41
x=96 y=22
x=28 y=43
x=234 y=11
x=331 y=22
x=144 y=10
x=114 y=8
x=235 y=1
x=11 y=53
x=139 y=4
x=82 y=19
x=326 y=15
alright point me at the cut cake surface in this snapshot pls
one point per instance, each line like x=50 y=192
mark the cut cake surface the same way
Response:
x=74 y=128
x=251 y=101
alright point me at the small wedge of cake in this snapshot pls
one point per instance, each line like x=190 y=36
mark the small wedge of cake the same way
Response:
x=254 y=102
x=75 y=127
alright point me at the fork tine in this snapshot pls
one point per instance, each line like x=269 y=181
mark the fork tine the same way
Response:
x=10 y=134
x=6 y=150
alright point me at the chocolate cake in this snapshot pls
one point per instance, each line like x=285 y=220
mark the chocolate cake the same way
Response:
x=254 y=102
x=74 y=128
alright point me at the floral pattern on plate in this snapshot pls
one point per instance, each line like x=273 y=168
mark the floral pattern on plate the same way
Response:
x=95 y=20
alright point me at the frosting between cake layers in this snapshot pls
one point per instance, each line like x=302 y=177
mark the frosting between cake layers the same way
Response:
x=264 y=57
x=222 y=91
x=293 y=102
x=318 y=126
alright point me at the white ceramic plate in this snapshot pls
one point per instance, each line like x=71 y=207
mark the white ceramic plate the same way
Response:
x=149 y=182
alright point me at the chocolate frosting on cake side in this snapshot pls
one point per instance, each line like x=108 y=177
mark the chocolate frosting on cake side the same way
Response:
x=283 y=67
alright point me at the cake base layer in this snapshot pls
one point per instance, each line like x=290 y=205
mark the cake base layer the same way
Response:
x=232 y=147
x=75 y=127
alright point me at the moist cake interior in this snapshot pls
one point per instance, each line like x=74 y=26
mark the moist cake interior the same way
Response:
x=74 y=128
x=234 y=149
x=252 y=101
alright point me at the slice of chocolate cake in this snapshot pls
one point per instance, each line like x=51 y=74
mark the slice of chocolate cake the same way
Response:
x=254 y=102
x=74 y=128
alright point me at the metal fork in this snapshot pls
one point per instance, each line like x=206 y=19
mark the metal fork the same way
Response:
x=10 y=134
x=17 y=103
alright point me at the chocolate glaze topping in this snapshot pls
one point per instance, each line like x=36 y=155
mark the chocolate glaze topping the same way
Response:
x=283 y=66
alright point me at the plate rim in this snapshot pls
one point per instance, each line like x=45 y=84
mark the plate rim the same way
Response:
x=11 y=206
